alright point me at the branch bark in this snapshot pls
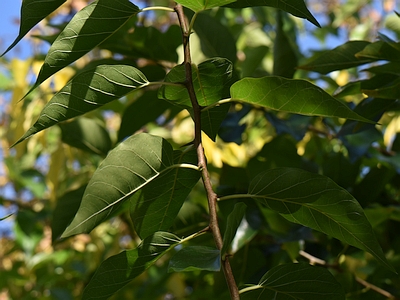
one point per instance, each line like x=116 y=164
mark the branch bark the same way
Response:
x=211 y=195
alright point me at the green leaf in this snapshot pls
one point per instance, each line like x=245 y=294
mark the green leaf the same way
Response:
x=32 y=12
x=210 y=80
x=199 y=5
x=211 y=119
x=194 y=258
x=341 y=57
x=295 y=282
x=379 y=51
x=129 y=167
x=86 y=134
x=294 y=96
x=134 y=119
x=87 y=29
x=118 y=270
x=390 y=91
x=145 y=42
x=86 y=92
x=66 y=208
x=215 y=39
x=155 y=206
x=233 y=222
x=317 y=202
x=295 y=7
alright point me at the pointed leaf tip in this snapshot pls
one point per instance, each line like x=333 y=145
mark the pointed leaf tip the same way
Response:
x=291 y=95
x=86 y=92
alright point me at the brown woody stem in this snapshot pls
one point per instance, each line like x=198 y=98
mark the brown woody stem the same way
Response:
x=211 y=195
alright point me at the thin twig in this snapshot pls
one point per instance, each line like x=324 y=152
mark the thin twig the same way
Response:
x=211 y=195
x=315 y=260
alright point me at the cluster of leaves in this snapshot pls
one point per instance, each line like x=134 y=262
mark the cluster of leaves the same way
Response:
x=286 y=159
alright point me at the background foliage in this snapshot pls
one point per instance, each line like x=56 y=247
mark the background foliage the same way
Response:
x=250 y=142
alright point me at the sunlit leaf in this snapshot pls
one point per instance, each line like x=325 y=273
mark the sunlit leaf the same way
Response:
x=317 y=202
x=199 y=5
x=155 y=206
x=233 y=222
x=296 y=7
x=295 y=282
x=118 y=270
x=130 y=166
x=194 y=258
x=87 y=29
x=87 y=91
x=294 y=96
x=32 y=12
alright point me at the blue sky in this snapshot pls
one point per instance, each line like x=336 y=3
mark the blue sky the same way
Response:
x=10 y=11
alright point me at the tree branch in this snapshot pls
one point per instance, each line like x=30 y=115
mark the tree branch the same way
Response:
x=211 y=195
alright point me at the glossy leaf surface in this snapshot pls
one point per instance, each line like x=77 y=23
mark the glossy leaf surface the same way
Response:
x=87 y=91
x=317 y=202
x=118 y=270
x=155 y=206
x=296 y=282
x=194 y=258
x=87 y=29
x=130 y=166
x=291 y=95
x=32 y=12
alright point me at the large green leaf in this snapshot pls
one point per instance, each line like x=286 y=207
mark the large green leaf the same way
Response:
x=199 y=5
x=342 y=57
x=210 y=80
x=118 y=270
x=130 y=166
x=294 y=96
x=295 y=282
x=32 y=12
x=194 y=258
x=296 y=7
x=87 y=29
x=155 y=206
x=86 y=134
x=317 y=202
x=87 y=91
